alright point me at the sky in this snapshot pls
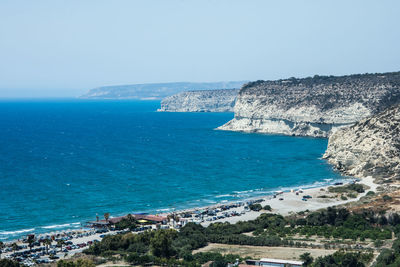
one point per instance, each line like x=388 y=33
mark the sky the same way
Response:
x=60 y=48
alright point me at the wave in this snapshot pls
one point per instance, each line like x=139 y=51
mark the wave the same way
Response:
x=76 y=224
x=17 y=231
x=224 y=195
x=245 y=191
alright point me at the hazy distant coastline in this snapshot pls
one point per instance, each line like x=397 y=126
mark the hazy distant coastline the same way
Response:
x=155 y=91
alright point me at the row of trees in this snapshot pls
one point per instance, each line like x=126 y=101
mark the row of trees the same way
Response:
x=338 y=259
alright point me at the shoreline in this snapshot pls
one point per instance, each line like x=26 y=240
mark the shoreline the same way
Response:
x=291 y=203
x=285 y=203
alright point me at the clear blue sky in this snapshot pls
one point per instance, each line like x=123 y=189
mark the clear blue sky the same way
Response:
x=63 y=48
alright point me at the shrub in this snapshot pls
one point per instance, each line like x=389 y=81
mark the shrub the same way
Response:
x=370 y=193
x=78 y=263
x=267 y=207
x=255 y=207
x=351 y=195
x=9 y=263
x=378 y=243
x=387 y=198
x=347 y=188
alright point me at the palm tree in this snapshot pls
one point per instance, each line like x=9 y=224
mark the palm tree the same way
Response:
x=60 y=243
x=31 y=240
x=47 y=242
x=1 y=247
x=130 y=217
x=106 y=216
x=306 y=258
x=14 y=247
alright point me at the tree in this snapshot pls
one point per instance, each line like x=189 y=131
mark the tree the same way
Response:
x=9 y=263
x=47 y=242
x=1 y=247
x=106 y=216
x=385 y=258
x=31 y=240
x=60 y=244
x=78 y=263
x=161 y=243
x=14 y=247
x=128 y=222
x=340 y=258
x=306 y=258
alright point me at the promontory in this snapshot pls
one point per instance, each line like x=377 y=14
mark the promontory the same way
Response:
x=314 y=106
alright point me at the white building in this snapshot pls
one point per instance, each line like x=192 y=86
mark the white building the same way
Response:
x=279 y=263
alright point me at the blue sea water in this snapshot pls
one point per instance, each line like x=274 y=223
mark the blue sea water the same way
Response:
x=64 y=161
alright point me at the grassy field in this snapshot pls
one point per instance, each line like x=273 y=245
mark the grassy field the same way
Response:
x=256 y=252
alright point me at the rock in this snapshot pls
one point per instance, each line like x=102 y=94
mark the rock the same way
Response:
x=201 y=101
x=315 y=106
x=369 y=147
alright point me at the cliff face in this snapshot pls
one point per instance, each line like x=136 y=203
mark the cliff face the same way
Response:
x=312 y=106
x=154 y=90
x=201 y=101
x=370 y=147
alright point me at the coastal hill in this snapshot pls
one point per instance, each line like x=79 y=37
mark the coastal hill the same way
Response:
x=155 y=90
x=370 y=147
x=201 y=101
x=314 y=106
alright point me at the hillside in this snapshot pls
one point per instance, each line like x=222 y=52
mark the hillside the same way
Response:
x=370 y=147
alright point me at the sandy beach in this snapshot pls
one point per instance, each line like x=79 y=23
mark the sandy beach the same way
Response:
x=293 y=203
x=285 y=203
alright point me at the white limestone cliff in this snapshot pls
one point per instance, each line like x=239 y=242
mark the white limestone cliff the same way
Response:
x=200 y=101
x=315 y=106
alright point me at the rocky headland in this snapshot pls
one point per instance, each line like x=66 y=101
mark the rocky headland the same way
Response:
x=371 y=147
x=154 y=90
x=315 y=106
x=201 y=101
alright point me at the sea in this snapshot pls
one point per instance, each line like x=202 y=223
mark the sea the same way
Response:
x=65 y=161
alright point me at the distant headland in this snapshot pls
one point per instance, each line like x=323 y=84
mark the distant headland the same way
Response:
x=156 y=91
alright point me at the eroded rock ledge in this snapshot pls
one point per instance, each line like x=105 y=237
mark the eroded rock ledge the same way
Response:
x=315 y=106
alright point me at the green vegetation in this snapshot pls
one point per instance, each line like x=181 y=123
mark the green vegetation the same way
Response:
x=352 y=195
x=350 y=188
x=387 y=198
x=127 y=223
x=267 y=208
x=255 y=207
x=77 y=263
x=188 y=260
x=9 y=263
x=170 y=247
x=390 y=257
x=370 y=193
x=338 y=259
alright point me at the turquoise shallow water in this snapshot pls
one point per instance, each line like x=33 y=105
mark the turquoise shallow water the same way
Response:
x=64 y=161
